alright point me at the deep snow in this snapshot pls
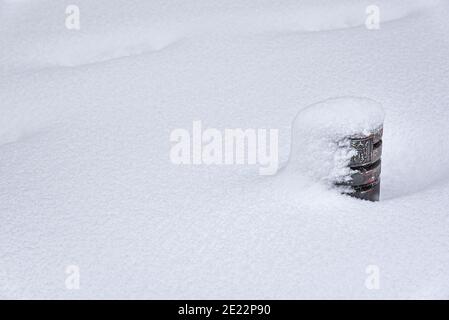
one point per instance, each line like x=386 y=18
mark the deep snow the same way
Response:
x=85 y=174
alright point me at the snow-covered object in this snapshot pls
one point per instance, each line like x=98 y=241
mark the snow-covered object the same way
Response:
x=320 y=147
x=86 y=182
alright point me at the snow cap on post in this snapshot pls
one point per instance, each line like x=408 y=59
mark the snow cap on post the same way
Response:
x=321 y=139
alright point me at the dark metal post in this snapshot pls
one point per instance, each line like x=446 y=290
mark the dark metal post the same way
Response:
x=365 y=182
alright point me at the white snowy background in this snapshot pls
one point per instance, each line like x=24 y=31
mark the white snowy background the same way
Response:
x=85 y=174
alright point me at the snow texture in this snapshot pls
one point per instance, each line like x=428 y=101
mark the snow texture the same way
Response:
x=85 y=174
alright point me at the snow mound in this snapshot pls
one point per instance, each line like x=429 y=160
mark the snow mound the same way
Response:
x=320 y=145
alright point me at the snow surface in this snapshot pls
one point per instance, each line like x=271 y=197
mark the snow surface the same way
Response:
x=85 y=175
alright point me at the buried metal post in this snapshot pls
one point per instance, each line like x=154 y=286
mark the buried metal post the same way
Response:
x=366 y=164
x=338 y=142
